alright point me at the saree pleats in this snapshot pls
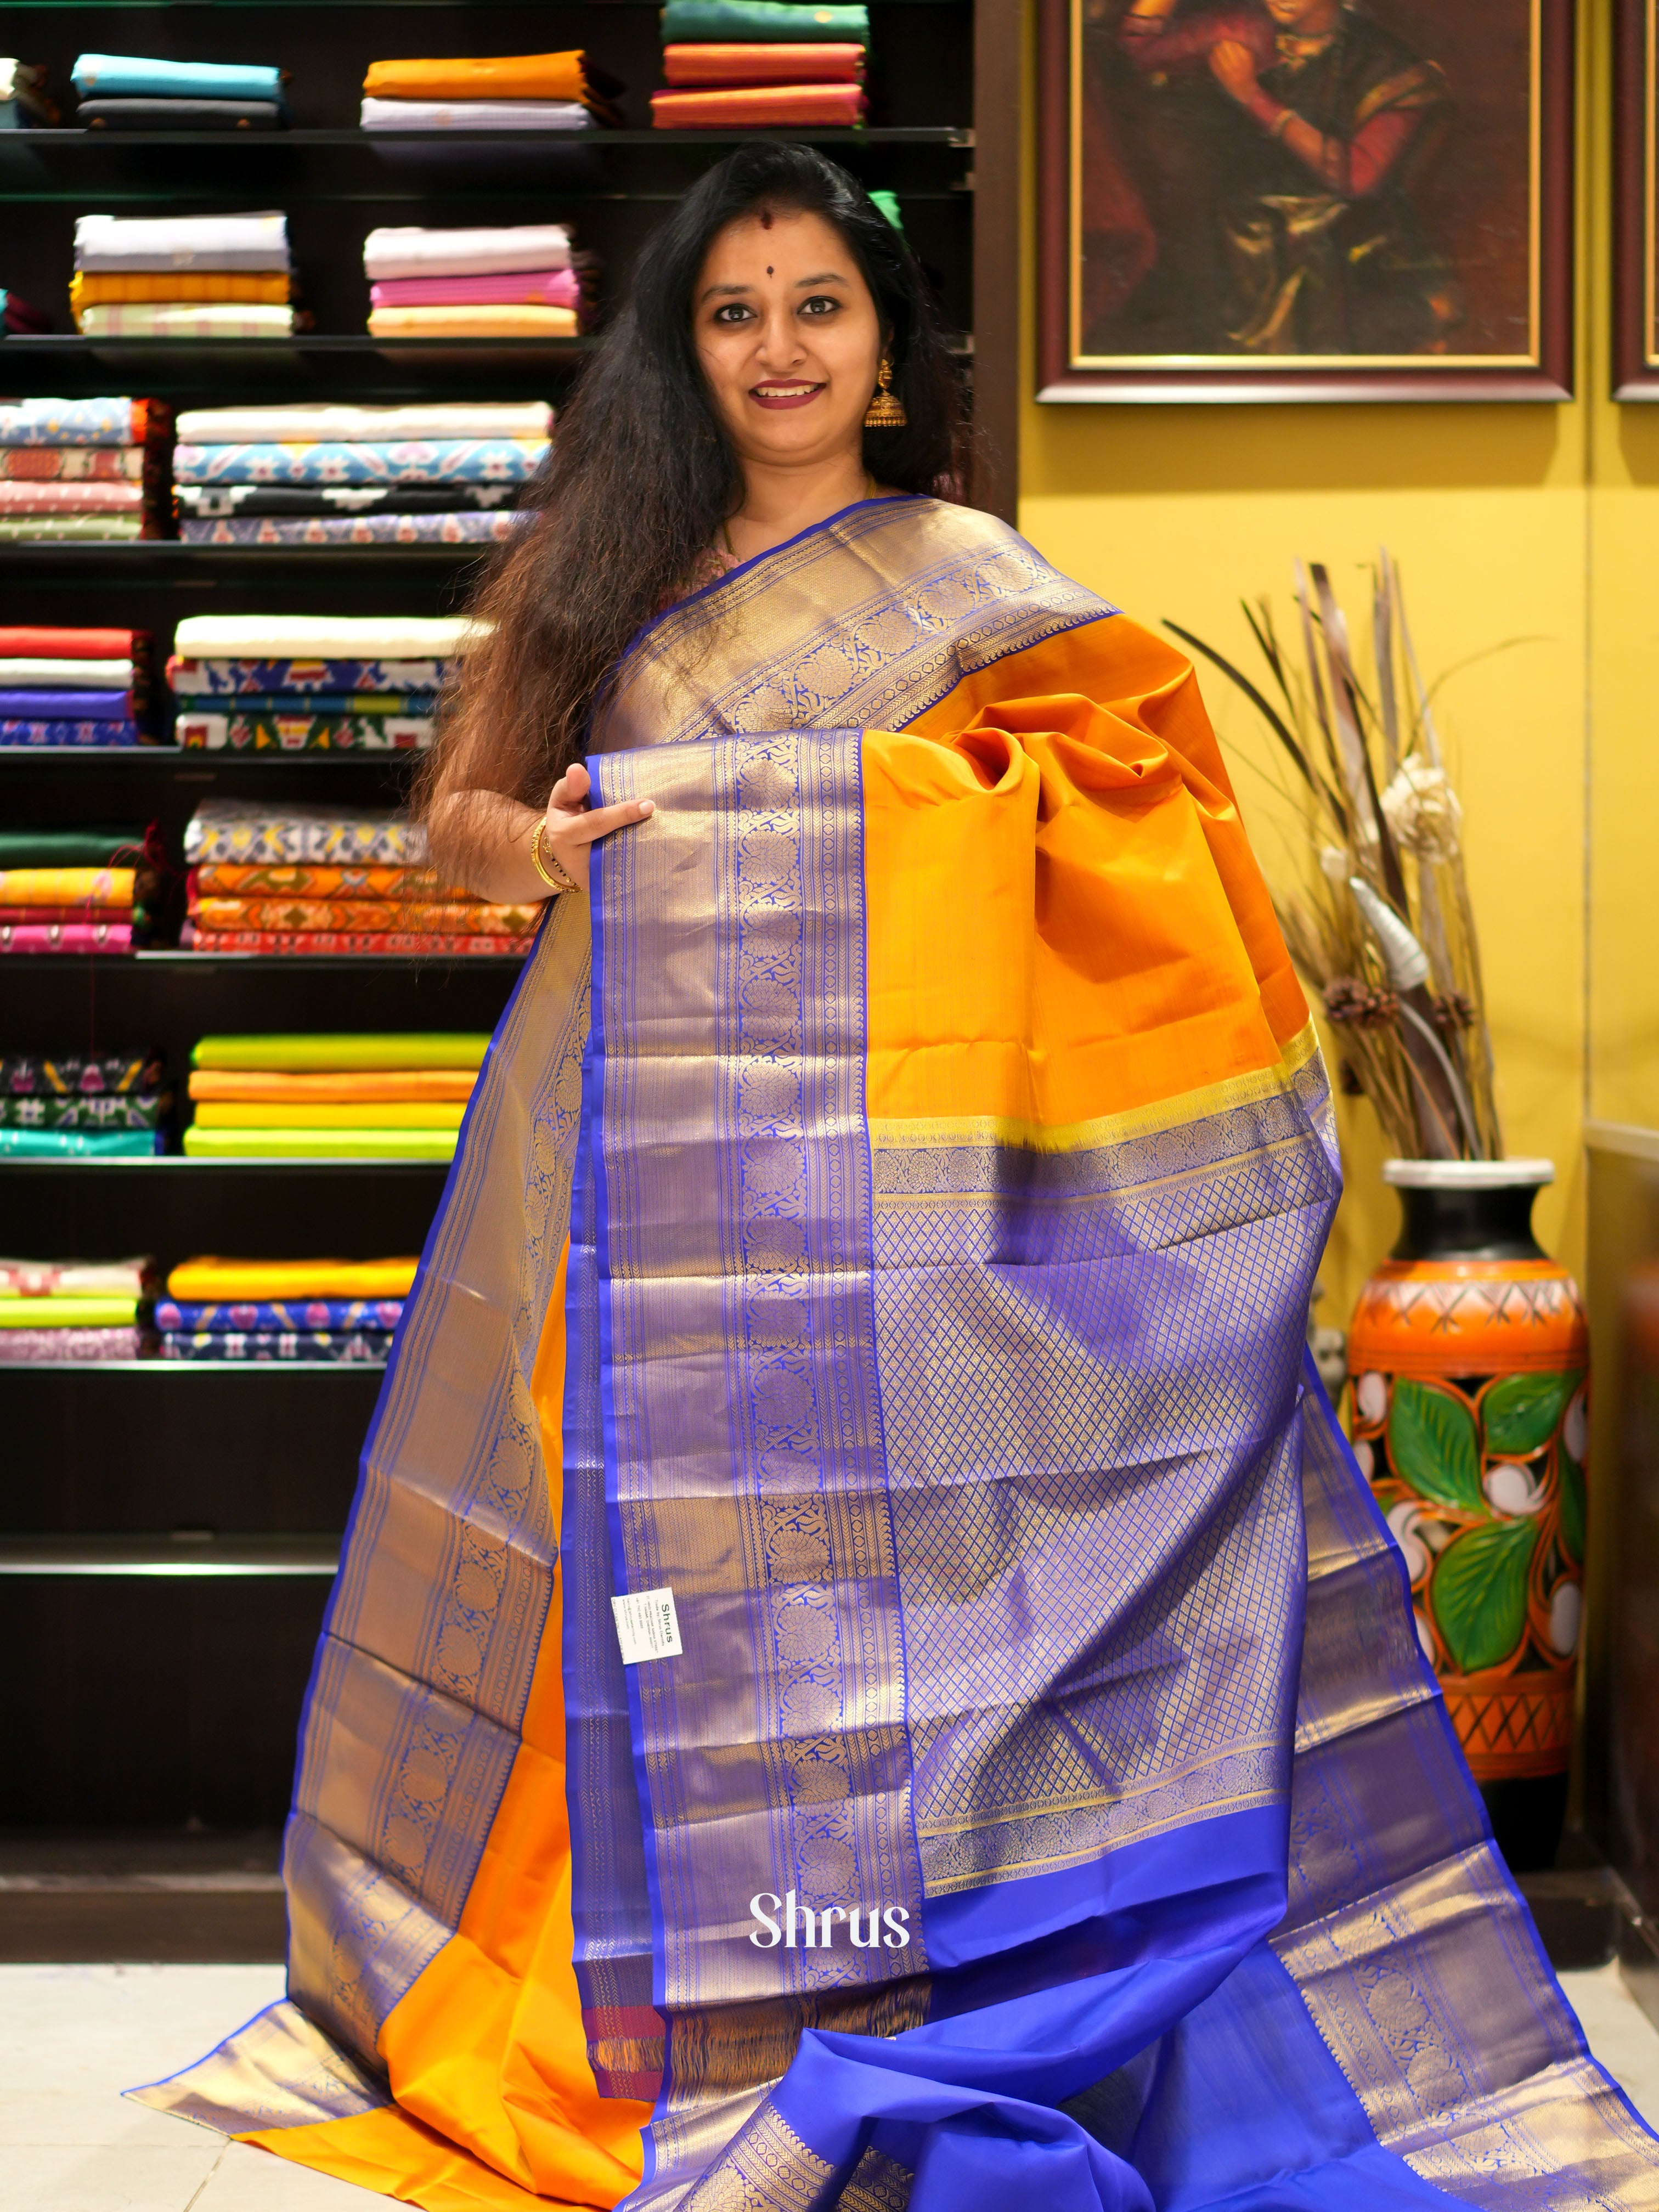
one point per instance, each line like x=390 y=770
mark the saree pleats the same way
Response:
x=882 y=1235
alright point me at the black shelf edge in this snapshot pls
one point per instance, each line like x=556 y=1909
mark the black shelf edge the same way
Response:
x=934 y=133
x=165 y=1556
x=22 y=345
x=160 y=1366
x=198 y=757
x=160 y=1163
x=169 y=562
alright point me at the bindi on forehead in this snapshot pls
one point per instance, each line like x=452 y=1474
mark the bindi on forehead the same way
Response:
x=768 y=269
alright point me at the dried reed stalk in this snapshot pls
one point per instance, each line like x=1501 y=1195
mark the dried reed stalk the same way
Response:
x=1376 y=912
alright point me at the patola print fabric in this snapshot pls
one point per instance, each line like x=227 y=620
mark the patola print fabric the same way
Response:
x=864 y=1672
x=469 y=460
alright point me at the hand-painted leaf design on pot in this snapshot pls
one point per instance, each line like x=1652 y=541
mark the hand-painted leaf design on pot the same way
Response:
x=1479 y=1592
x=1520 y=1411
x=1433 y=1443
x=1572 y=1507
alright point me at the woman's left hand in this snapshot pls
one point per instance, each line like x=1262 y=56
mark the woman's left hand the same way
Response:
x=570 y=825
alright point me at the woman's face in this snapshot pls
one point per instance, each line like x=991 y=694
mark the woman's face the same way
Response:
x=788 y=337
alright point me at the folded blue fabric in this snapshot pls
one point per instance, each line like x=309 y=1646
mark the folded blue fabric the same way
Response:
x=66 y=706
x=108 y=75
x=261 y=1316
x=363 y=461
x=14 y=732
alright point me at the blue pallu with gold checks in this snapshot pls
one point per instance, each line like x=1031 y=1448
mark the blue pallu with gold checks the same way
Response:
x=885 y=1221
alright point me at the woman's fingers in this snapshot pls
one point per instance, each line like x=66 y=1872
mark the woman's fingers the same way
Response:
x=600 y=821
x=572 y=787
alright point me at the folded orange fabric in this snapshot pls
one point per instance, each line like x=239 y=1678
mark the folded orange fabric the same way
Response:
x=473 y=322
x=757 y=107
x=384 y=1086
x=262 y=288
x=774 y=63
x=486 y=77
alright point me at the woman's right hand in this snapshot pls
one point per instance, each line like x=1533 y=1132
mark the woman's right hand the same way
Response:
x=571 y=825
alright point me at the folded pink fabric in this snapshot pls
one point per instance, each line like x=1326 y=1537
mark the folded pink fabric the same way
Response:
x=70 y=498
x=528 y=288
x=66 y=936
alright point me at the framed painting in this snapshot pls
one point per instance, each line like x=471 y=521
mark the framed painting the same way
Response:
x=1307 y=199
x=1635 y=205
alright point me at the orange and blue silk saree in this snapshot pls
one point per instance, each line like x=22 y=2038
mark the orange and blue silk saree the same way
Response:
x=878 y=1255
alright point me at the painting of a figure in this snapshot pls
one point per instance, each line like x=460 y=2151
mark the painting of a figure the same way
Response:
x=1263 y=184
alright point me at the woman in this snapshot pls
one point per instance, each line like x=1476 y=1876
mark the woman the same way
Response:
x=863 y=1673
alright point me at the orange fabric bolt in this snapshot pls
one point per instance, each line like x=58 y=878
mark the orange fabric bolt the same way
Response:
x=473 y=323
x=451 y=1085
x=774 y=63
x=755 y=107
x=488 y=76
x=258 y=288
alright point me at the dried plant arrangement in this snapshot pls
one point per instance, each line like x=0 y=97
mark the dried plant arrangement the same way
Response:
x=1376 y=907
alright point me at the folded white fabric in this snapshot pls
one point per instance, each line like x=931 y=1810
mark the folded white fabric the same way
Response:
x=324 y=637
x=412 y=253
x=34 y=674
x=70 y=1278
x=301 y=425
x=186 y=319
x=475 y=115
x=114 y=242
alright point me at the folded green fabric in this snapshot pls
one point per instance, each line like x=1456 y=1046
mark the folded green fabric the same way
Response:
x=79 y=1144
x=302 y=1055
x=320 y=1144
x=95 y=848
x=740 y=22
x=68 y=1313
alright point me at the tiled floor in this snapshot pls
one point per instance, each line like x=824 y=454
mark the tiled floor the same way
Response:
x=71 y=2037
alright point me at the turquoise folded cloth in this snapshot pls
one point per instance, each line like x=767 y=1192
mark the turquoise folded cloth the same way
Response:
x=742 y=22
x=75 y=1143
x=106 y=76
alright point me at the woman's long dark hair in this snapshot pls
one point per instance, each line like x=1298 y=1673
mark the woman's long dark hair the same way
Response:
x=641 y=476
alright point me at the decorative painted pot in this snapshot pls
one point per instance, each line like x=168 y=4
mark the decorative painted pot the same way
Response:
x=1469 y=1366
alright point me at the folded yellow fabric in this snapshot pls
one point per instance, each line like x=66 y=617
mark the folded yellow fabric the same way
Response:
x=380 y=1114
x=488 y=76
x=449 y=1083
x=260 y=287
x=346 y=1049
x=269 y=1144
x=93 y=887
x=212 y=1280
x=68 y=1313
x=472 y=322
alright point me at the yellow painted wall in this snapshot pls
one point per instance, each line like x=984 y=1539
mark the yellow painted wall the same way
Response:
x=1509 y=522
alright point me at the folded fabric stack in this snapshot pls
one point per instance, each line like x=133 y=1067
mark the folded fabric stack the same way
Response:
x=74 y=890
x=516 y=282
x=312 y=682
x=75 y=1105
x=340 y=1311
x=73 y=687
x=24 y=104
x=758 y=64
x=182 y=276
x=126 y=92
x=312 y=879
x=74 y=1308
x=355 y=476
x=493 y=92
x=82 y=468
x=331 y=1096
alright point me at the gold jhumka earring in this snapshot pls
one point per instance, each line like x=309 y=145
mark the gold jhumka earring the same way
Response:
x=886 y=410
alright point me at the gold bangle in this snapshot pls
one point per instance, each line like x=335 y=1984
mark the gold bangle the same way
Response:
x=555 y=877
